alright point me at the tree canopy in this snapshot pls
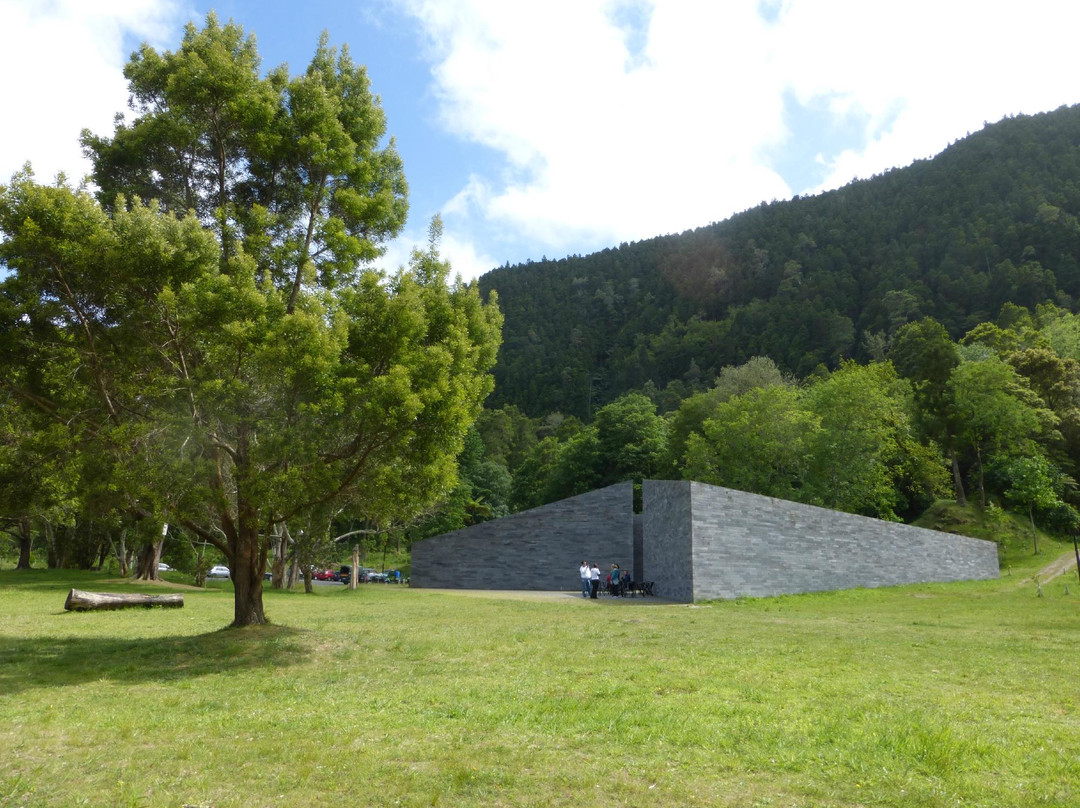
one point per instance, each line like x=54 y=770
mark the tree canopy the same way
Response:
x=210 y=325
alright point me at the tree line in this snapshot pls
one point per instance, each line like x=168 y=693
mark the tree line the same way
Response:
x=993 y=419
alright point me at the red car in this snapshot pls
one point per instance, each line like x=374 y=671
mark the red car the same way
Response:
x=324 y=575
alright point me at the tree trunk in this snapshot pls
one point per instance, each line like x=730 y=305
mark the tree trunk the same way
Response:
x=247 y=565
x=199 y=551
x=80 y=601
x=121 y=554
x=103 y=554
x=52 y=551
x=281 y=548
x=354 y=574
x=982 y=487
x=26 y=543
x=1034 y=536
x=958 y=481
x=149 y=558
x=293 y=574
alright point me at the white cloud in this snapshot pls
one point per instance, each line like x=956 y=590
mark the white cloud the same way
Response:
x=595 y=149
x=62 y=65
x=602 y=144
x=926 y=73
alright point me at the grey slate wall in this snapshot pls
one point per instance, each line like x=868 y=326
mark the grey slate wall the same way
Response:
x=538 y=549
x=667 y=548
x=750 y=545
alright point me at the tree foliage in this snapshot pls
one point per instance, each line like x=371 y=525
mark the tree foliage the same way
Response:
x=223 y=347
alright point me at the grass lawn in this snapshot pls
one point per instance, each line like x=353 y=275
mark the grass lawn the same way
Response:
x=933 y=695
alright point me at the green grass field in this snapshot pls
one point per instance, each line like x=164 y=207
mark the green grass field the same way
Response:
x=933 y=695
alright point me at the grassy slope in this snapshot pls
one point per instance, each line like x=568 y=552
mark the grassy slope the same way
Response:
x=928 y=695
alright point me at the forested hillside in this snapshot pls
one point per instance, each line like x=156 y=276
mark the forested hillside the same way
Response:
x=806 y=282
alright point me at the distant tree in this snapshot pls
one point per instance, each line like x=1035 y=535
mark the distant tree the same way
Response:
x=994 y=413
x=508 y=434
x=531 y=476
x=756 y=373
x=758 y=441
x=1033 y=484
x=866 y=451
x=631 y=440
x=923 y=353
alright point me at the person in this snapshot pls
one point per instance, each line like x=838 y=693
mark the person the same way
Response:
x=613 y=580
x=594 y=580
x=584 y=571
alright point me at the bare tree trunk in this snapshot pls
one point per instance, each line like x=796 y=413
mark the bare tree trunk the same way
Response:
x=26 y=543
x=354 y=575
x=200 y=562
x=308 y=588
x=982 y=487
x=121 y=554
x=958 y=481
x=281 y=548
x=1034 y=536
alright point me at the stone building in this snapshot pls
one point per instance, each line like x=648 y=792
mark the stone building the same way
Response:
x=696 y=542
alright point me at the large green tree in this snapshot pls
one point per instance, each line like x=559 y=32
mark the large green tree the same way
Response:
x=227 y=347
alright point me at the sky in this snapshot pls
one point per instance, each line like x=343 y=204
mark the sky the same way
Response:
x=541 y=130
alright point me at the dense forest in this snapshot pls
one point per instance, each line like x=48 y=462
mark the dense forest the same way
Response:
x=806 y=282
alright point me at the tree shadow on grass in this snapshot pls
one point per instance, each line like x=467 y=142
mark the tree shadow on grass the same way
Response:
x=51 y=662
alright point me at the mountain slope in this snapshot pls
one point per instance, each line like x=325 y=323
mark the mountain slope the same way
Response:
x=995 y=218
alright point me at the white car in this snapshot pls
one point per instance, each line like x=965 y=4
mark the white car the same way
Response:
x=218 y=571
x=163 y=567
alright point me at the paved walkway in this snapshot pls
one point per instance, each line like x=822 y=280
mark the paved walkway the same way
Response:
x=520 y=594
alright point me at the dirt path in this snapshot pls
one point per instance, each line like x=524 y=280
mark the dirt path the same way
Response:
x=1060 y=566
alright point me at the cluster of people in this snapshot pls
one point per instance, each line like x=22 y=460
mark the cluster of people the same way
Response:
x=618 y=581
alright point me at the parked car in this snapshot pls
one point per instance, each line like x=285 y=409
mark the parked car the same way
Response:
x=163 y=567
x=218 y=571
x=324 y=575
x=378 y=577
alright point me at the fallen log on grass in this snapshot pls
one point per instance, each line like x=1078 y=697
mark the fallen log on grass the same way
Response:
x=80 y=601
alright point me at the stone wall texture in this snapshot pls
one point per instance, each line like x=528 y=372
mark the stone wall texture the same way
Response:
x=540 y=549
x=696 y=542
x=746 y=545
x=667 y=549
